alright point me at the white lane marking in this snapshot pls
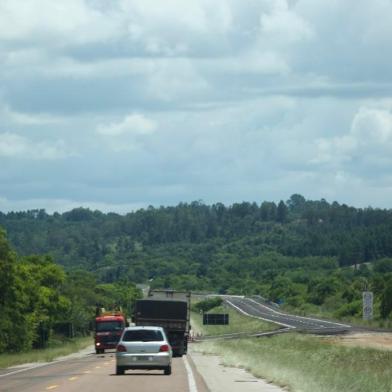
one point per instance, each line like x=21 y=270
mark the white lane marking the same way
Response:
x=29 y=368
x=260 y=318
x=191 y=379
x=298 y=317
x=266 y=307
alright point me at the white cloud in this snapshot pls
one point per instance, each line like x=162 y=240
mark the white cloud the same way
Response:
x=176 y=27
x=250 y=62
x=16 y=146
x=28 y=118
x=167 y=29
x=372 y=126
x=283 y=24
x=175 y=80
x=54 y=23
x=136 y=124
x=368 y=140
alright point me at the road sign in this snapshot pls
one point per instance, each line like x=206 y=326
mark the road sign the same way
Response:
x=367 y=301
x=215 y=319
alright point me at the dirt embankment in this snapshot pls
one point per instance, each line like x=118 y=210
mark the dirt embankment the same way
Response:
x=378 y=340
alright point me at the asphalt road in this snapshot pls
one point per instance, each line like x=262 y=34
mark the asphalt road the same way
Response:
x=257 y=309
x=96 y=373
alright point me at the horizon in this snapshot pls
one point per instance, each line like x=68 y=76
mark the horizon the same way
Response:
x=202 y=202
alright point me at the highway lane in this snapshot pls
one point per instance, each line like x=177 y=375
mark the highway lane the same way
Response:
x=257 y=309
x=96 y=373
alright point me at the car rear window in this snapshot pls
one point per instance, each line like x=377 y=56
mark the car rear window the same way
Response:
x=143 y=335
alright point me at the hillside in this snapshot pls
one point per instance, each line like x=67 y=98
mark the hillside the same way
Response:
x=297 y=252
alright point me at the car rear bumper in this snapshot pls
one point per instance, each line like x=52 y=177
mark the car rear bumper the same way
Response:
x=106 y=345
x=143 y=361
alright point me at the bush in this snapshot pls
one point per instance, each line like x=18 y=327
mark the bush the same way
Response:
x=386 y=300
x=207 y=304
x=351 y=309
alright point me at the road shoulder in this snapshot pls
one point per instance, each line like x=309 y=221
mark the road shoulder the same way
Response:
x=219 y=378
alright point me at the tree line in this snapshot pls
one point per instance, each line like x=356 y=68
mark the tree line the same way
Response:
x=297 y=227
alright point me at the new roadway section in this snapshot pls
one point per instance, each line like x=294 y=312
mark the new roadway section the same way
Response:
x=256 y=308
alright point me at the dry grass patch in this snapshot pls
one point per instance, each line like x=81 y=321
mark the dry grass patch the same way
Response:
x=377 y=340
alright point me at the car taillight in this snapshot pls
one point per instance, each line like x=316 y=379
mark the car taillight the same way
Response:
x=164 y=348
x=121 y=349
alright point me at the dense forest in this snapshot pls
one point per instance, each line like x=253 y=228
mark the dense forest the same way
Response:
x=302 y=253
x=297 y=228
x=38 y=299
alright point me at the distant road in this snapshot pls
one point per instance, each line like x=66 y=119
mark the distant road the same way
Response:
x=257 y=309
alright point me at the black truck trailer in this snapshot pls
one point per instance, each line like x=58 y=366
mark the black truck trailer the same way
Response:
x=170 y=310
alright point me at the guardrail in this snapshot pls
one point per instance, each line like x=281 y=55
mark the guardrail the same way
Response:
x=238 y=335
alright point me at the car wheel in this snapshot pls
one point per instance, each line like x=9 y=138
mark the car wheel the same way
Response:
x=167 y=371
x=119 y=371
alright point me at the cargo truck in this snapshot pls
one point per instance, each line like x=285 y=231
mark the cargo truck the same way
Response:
x=108 y=329
x=168 y=309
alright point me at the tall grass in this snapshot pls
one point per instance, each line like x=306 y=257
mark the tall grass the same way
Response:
x=237 y=323
x=307 y=364
x=59 y=349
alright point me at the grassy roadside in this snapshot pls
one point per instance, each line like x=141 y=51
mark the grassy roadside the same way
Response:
x=237 y=323
x=302 y=363
x=46 y=355
x=305 y=363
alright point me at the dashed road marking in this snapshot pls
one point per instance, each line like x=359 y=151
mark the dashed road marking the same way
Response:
x=73 y=378
x=50 y=387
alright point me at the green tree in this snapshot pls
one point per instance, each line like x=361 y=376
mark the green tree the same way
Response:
x=281 y=213
x=46 y=305
x=386 y=300
x=17 y=328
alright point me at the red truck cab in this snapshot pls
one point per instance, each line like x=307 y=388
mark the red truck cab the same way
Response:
x=108 y=329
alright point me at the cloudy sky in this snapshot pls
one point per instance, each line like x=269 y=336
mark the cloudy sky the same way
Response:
x=120 y=104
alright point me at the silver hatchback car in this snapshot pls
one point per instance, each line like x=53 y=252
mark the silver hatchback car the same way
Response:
x=143 y=348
